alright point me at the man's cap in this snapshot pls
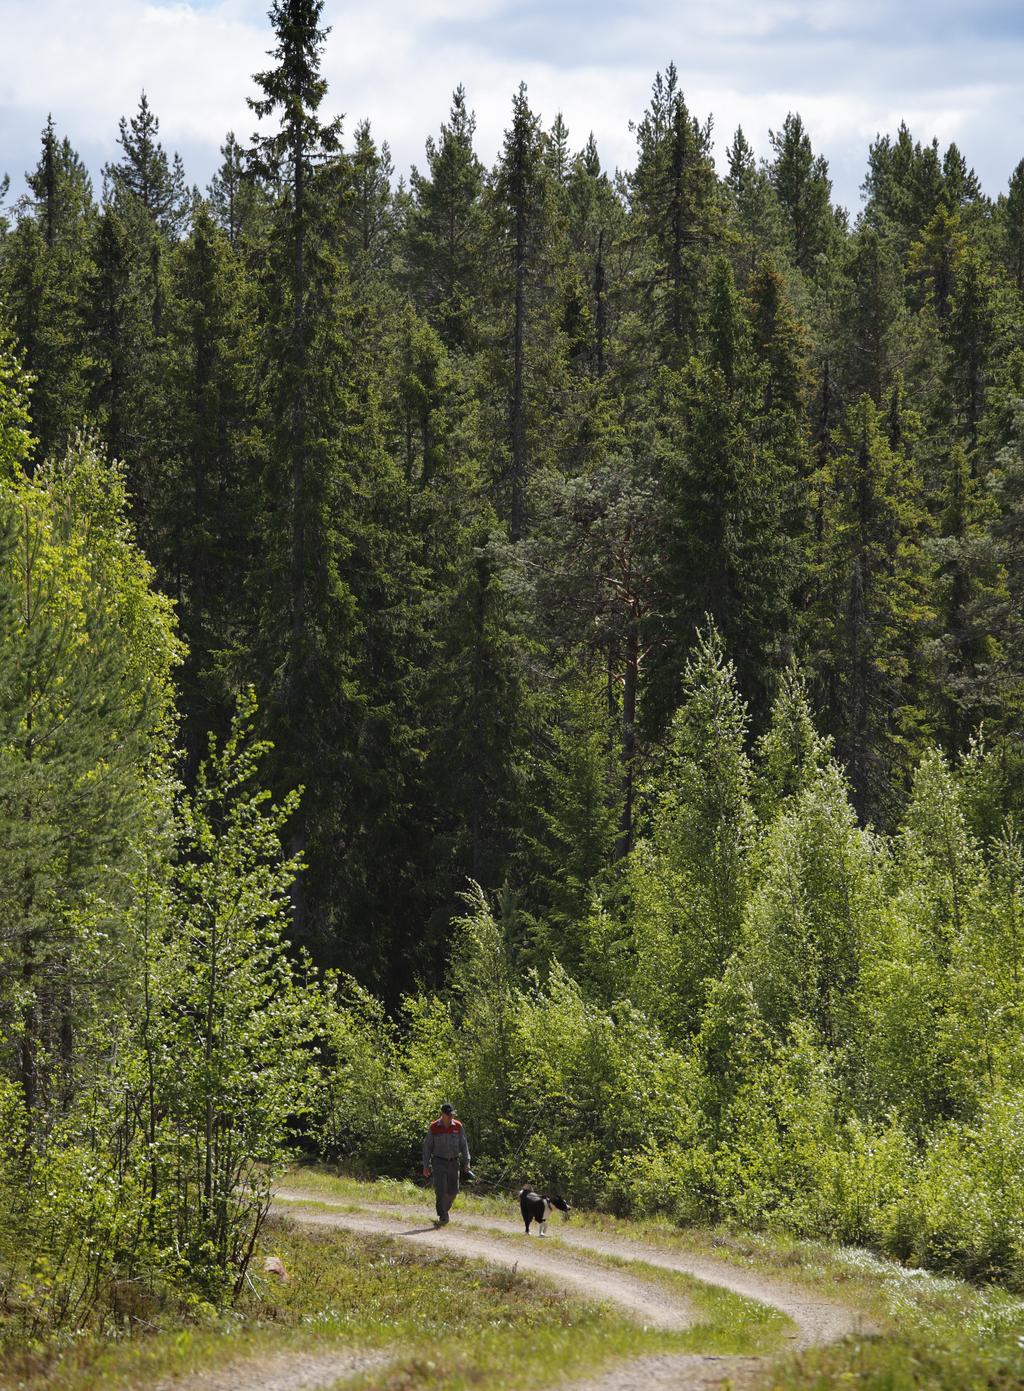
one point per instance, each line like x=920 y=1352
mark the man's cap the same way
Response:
x=447 y=1108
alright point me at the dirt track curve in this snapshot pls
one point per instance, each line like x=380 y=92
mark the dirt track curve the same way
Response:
x=816 y=1321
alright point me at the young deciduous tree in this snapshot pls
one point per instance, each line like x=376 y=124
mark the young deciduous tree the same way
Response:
x=690 y=883
x=228 y=1037
x=85 y=697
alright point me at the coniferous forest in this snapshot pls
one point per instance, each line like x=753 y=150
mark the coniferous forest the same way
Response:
x=538 y=633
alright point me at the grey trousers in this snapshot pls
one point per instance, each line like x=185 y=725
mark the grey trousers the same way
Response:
x=446 y=1183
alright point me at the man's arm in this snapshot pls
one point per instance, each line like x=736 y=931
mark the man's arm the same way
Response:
x=428 y=1150
x=464 y=1147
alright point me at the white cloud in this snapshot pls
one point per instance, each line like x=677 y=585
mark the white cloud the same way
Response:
x=88 y=63
x=850 y=69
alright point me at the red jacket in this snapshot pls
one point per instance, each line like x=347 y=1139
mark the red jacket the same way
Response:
x=445 y=1142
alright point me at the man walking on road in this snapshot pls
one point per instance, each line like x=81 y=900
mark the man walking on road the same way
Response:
x=445 y=1152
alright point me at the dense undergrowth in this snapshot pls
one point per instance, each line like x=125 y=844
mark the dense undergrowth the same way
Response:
x=772 y=1016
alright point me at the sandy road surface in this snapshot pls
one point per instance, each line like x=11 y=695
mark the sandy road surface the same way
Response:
x=564 y=1263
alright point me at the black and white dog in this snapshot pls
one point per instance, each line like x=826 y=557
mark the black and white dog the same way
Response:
x=537 y=1207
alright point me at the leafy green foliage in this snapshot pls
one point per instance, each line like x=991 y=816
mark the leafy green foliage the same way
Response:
x=227 y=1027
x=845 y=1061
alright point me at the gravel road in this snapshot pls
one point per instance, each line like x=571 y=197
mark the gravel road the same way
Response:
x=564 y=1262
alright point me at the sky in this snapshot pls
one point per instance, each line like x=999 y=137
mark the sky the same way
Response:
x=852 y=68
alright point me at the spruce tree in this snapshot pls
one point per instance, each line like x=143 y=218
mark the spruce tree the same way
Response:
x=1012 y=209
x=520 y=193
x=478 y=760
x=674 y=197
x=596 y=221
x=873 y=612
x=338 y=621
x=44 y=275
x=119 y=336
x=754 y=209
x=933 y=258
x=960 y=183
x=369 y=217
x=145 y=173
x=575 y=789
x=972 y=337
x=1007 y=528
x=732 y=517
x=804 y=190
x=904 y=185
x=969 y=594
x=446 y=230
x=302 y=349
x=591 y=571
x=238 y=199
x=556 y=151
x=870 y=322
x=206 y=510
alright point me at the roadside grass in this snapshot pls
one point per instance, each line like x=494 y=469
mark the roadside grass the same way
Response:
x=940 y=1333
x=460 y=1324
x=727 y=1324
x=935 y=1331
x=452 y=1323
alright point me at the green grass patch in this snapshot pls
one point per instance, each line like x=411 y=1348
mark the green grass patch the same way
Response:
x=727 y=1324
x=934 y=1331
